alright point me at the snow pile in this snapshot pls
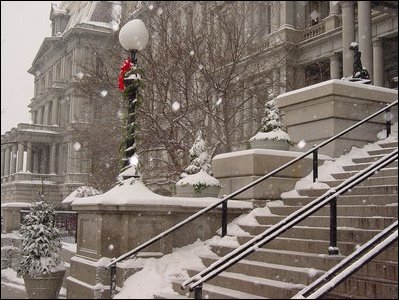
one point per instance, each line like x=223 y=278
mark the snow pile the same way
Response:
x=157 y=274
x=276 y=134
x=199 y=178
x=80 y=192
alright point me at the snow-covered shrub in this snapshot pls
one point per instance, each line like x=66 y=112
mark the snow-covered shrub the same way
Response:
x=41 y=242
x=271 y=128
x=199 y=173
x=199 y=157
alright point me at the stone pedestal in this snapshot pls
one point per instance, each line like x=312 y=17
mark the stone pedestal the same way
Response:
x=11 y=215
x=237 y=169
x=318 y=112
x=110 y=226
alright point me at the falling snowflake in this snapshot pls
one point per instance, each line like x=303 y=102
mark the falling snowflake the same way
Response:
x=79 y=75
x=175 y=106
x=104 y=93
x=119 y=114
x=200 y=67
x=111 y=247
x=159 y=11
x=301 y=144
x=76 y=146
x=151 y=7
x=192 y=52
x=219 y=101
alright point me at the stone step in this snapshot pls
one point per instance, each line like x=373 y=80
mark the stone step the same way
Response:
x=317 y=246
x=371 y=181
x=210 y=291
x=388 y=144
x=270 y=271
x=367 y=159
x=380 y=151
x=344 y=234
x=358 y=190
x=262 y=287
x=377 y=223
x=363 y=288
x=343 y=210
x=375 y=268
x=171 y=295
x=358 y=167
x=380 y=173
x=347 y=200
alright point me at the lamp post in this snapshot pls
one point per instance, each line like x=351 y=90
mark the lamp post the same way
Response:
x=133 y=37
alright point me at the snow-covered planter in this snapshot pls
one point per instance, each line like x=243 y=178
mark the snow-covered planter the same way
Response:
x=197 y=181
x=271 y=135
x=40 y=265
x=200 y=184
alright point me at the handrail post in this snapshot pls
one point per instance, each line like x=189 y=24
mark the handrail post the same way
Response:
x=224 y=218
x=198 y=291
x=388 y=121
x=113 y=282
x=315 y=164
x=333 y=249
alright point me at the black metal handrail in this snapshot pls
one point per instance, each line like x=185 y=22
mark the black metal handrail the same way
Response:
x=284 y=225
x=223 y=201
x=350 y=264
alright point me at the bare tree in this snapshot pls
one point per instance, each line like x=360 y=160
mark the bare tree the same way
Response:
x=201 y=72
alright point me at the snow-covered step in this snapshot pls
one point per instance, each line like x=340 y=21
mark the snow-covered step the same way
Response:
x=344 y=210
x=367 y=159
x=344 y=234
x=393 y=144
x=210 y=291
x=357 y=190
x=382 y=172
x=371 y=181
x=375 y=268
x=347 y=200
x=274 y=289
x=316 y=246
x=380 y=151
x=361 y=166
x=377 y=223
x=270 y=270
x=170 y=296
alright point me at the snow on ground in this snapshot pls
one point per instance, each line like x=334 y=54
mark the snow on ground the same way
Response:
x=157 y=274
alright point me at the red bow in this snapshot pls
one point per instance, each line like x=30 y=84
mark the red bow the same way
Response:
x=127 y=66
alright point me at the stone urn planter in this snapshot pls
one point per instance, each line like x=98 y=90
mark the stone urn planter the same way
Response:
x=274 y=140
x=46 y=286
x=197 y=185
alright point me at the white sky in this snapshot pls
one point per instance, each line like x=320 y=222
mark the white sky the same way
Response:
x=24 y=25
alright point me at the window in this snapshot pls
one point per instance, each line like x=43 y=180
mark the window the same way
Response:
x=68 y=66
x=58 y=71
x=50 y=78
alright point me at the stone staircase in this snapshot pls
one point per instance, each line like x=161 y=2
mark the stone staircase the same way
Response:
x=299 y=256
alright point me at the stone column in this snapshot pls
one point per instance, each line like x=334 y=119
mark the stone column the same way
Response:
x=46 y=120
x=335 y=66
x=378 y=63
x=34 y=116
x=29 y=157
x=36 y=162
x=13 y=159
x=364 y=29
x=348 y=36
x=332 y=20
x=3 y=152
x=52 y=158
x=276 y=82
x=275 y=17
x=40 y=115
x=287 y=13
x=54 y=117
x=7 y=161
x=21 y=149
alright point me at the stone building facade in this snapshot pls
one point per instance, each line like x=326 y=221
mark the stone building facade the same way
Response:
x=45 y=153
